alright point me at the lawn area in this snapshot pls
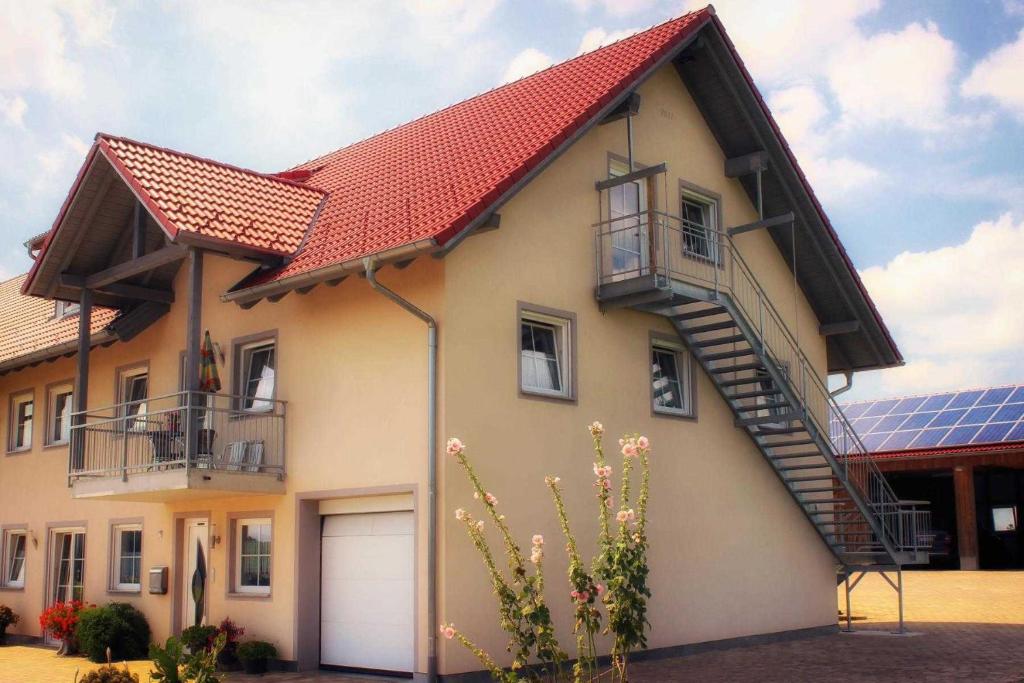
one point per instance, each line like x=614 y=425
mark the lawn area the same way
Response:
x=21 y=664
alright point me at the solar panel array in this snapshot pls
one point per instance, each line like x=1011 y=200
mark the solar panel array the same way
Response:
x=977 y=416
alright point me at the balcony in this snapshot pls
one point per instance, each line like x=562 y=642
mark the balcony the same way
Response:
x=179 y=446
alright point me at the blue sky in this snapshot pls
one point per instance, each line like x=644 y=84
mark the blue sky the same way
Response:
x=908 y=117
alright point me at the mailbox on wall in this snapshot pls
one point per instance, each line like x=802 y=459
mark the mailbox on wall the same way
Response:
x=158 y=580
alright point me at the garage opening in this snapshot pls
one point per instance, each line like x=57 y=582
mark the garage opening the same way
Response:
x=366 y=593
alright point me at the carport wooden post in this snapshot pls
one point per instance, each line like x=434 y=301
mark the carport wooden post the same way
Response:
x=966 y=517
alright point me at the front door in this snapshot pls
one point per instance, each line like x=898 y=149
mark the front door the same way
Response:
x=195 y=582
x=67 y=567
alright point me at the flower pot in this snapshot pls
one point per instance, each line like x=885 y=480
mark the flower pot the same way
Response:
x=255 y=666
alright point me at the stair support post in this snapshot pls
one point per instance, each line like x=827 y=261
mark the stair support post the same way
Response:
x=849 y=618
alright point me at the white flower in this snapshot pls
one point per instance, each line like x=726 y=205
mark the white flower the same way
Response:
x=455 y=446
x=460 y=514
x=538 y=539
x=596 y=428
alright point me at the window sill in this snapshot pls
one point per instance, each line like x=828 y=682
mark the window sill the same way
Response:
x=12 y=589
x=242 y=595
x=19 y=451
x=689 y=417
x=559 y=398
x=124 y=591
x=53 y=446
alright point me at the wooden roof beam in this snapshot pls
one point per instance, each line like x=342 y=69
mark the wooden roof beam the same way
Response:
x=136 y=266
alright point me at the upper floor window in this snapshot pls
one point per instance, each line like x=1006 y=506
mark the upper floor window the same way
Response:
x=63 y=309
x=22 y=413
x=133 y=393
x=699 y=213
x=14 y=542
x=256 y=375
x=58 y=422
x=671 y=379
x=546 y=352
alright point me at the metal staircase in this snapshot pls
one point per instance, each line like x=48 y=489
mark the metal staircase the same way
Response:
x=696 y=277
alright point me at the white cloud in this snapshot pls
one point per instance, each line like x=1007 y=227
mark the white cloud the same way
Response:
x=598 y=37
x=13 y=110
x=955 y=311
x=1000 y=75
x=903 y=77
x=616 y=8
x=529 y=61
x=53 y=163
x=802 y=114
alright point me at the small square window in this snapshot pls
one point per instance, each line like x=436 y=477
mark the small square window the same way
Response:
x=14 y=544
x=671 y=377
x=699 y=225
x=64 y=309
x=59 y=403
x=252 y=555
x=258 y=378
x=22 y=417
x=1004 y=519
x=126 y=557
x=545 y=354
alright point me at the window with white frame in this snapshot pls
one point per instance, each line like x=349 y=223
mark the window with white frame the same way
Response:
x=58 y=407
x=65 y=308
x=545 y=354
x=252 y=555
x=22 y=414
x=14 y=544
x=126 y=557
x=671 y=380
x=133 y=388
x=700 y=222
x=258 y=376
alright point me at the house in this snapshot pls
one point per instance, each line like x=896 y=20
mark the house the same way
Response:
x=612 y=238
x=963 y=453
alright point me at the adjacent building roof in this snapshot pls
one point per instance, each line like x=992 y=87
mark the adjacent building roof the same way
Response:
x=30 y=332
x=945 y=423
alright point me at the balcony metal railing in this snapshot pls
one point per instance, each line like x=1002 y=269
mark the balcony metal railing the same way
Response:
x=669 y=248
x=189 y=430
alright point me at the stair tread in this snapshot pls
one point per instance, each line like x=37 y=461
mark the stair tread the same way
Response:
x=724 y=355
x=790 y=468
x=703 y=313
x=754 y=394
x=711 y=327
x=763 y=419
x=718 y=341
x=787 y=444
x=817 y=477
x=780 y=430
x=741 y=367
x=790 y=456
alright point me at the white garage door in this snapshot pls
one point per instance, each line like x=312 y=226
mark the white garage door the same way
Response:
x=366 y=610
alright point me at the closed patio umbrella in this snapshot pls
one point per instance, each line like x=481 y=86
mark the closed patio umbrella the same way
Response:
x=209 y=379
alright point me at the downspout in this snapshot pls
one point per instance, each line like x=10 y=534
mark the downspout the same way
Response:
x=846 y=387
x=370 y=267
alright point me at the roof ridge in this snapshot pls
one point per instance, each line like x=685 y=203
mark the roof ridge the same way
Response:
x=208 y=160
x=709 y=9
x=1011 y=385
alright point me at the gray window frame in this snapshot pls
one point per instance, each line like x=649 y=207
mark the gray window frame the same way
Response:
x=684 y=365
x=239 y=346
x=51 y=413
x=14 y=400
x=565 y=322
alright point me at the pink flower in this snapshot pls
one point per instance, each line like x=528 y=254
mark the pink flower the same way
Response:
x=454 y=446
x=551 y=480
x=642 y=443
x=606 y=484
x=621 y=516
x=460 y=514
x=629 y=450
x=599 y=588
x=490 y=499
x=596 y=428
x=538 y=539
x=597 y=470
x=448 y=631
x=608 y=502
x=537 y=555
x=583 y=596
x=575 y=595
x=622 y=442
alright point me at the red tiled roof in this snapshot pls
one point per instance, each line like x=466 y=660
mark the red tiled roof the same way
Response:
x=431 y=177
x=969 y=449
x=212 y=199
x=28 y=326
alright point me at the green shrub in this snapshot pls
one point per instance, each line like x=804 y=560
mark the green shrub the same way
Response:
x=7 y=618
x=255 y=650
x=110 y=674
x=197 y=638
x=172 y=665
x=118 y=626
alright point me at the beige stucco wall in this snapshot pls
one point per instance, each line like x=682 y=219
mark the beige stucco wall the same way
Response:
x=731 y=554
x=352 y=368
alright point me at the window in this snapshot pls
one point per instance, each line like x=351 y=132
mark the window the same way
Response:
x=126 y=557
x=22 y=412
x=773 y=404
x=1004 y=518
x=671 y=388
x=627 y=207
x=14 y=559
x=133 y=386
x=258 y=378
x=67 y=565
x=65 y=308
x=545 y=353
x=699 y=212
x=252 y=555
x=58 y=406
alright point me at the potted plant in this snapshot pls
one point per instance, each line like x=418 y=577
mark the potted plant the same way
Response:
x=228 y=659
x=197 y=638
x=7 y=618
x=60 y=620
x=255 y=654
